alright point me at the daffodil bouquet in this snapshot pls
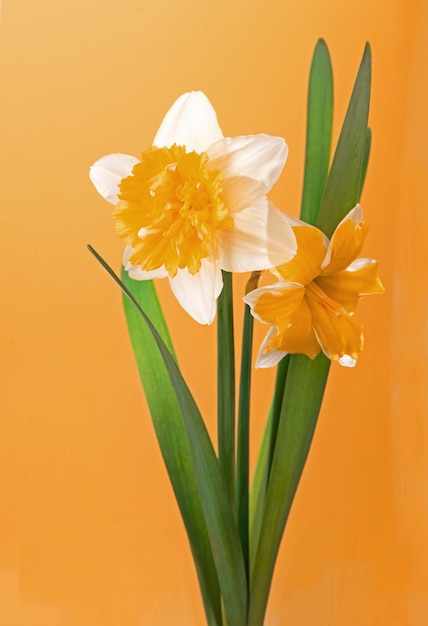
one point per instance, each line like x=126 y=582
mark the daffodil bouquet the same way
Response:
x=194 y=209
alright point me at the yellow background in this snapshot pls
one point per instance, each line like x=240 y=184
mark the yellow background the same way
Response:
x=89 y=531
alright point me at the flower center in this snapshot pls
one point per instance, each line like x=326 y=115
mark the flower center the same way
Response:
x=315 y=294
x=170 y=208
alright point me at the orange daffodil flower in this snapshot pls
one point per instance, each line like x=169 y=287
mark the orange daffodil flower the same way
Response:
x=311 y=307
x=195 y=203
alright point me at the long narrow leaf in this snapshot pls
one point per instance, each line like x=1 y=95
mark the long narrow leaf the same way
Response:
x=217 y=510
x=365 y=161
x=302 y=400
x=171 y=434
x=344 y=181
x=264 y=460
x=317 y=159
x=306 y=379
x=318 y=133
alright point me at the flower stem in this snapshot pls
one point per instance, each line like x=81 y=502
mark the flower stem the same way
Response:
x=281 y=377
x=226 y=385
x=243 y=451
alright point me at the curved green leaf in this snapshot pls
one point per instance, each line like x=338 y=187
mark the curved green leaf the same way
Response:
x=184 y=422
x=171 y=435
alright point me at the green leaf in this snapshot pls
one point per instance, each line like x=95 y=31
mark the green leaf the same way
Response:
x=318 y=134
x=186 y=444
x=317 y=159
x=264 y=460
x=365 y=161
x=306 y=379
x=302 y=401
x=258 y=492
x=171 y=434
x=344 y=181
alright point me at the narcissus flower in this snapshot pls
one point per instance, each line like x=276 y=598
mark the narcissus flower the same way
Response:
x=195 y=203
x=311 y=307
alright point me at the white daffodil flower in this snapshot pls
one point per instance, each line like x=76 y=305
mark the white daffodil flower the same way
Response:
x=195 y=204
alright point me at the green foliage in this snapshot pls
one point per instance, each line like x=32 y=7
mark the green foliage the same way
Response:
x=306 y=378
x=318 y=133
x=191 y=462
x=235 y=551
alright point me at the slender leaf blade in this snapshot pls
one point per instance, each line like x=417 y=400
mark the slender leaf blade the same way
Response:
x=344 y=181
x=219 y=515
x=317 y=159
x=216 y=506
x=306 y=379
x=171 y=434
x=302 y=401
x=264 y=460
x=318 y=134
x=365 y=161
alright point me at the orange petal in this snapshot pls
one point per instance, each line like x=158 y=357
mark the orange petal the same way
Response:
x=276 y=303
x=346 y=287
x=338 y=333
x=311 y=250
x=346 y=242
x=299 y=336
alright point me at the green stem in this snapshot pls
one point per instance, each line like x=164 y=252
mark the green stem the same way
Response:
x=243 y=460
x=243 y=454
x=226 y=385
x=281 y=377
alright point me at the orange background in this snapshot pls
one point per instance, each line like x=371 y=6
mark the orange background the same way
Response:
x=89 y=531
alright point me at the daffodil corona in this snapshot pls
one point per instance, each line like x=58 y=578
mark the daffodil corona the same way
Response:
x=311 y=306
x=195 y=204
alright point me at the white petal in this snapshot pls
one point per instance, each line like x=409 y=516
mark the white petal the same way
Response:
x=347 y=361
x=190 y=122
x=240 y=192
x=261 y=238
x=252 y=298
x=359 y=264
x=136 y=272
x=198 y=293
x=107 y=172
x=261 y=157
x=355 y=215
x=270 y=358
